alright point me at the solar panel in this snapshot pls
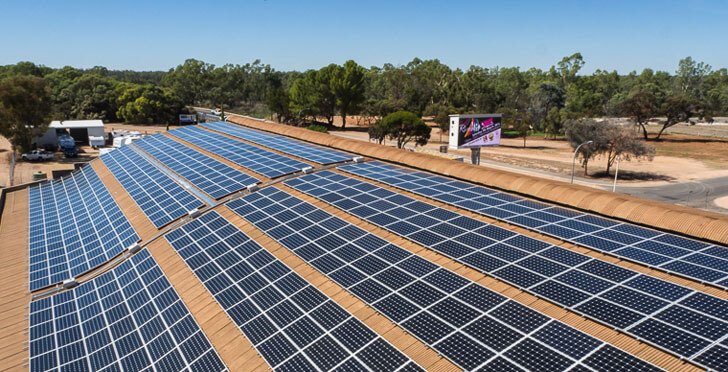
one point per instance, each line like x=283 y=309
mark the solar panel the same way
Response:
x=283 y=144
x=248 y=156
x=291 y=323
x=448 y=312
x=129 y=318
x=207 y=174
x=668 y=252
x=579 y=282
x=160 y=198
x=74 y=226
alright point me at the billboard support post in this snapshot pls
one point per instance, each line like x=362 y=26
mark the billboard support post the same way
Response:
x=475 y=155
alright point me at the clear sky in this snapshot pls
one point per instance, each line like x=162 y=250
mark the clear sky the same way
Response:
x=301 y=34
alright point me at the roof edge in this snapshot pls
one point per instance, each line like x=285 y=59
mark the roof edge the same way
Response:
x=675 y=218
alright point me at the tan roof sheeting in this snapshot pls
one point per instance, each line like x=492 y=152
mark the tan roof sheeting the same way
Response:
x=685 y=220
x=14 y=297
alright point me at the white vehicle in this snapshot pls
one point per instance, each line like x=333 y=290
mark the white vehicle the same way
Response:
x=37 y=155
x=215 y=112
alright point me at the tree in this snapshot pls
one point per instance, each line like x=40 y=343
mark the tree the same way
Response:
x=89 y=97
x=517 y=121
x=148 y=105
x=546 y=97
x=441 y=116
x=569 y=67
x=580 y=131
x=377 y=132
x=325 y=102
x=25 y=107
x=553 y=124
x=303 y=97
x=641 y=106
x=347 y=84
x=620 y=143
x=715 y=93
x=404 y=126
x=676 y=109
x=689 y=76
x=312 y=94
x=190 y=81
x=279 y=103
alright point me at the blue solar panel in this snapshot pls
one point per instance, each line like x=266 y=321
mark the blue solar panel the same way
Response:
x=623 y=240
x=160 y=198
x=261 y=161
x=594 y=288
x=75 y=225
x=283 y=144
x=444 y=310
x=290 y=322
x=129 y=318
x=209 y=175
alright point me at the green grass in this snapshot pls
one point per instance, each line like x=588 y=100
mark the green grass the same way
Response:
x=318 y=128
x=514 y=134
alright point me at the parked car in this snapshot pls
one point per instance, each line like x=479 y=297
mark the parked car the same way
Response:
x=37 y=155
x=215 y=112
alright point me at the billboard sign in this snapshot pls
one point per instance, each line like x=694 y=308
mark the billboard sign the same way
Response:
x=471 y=131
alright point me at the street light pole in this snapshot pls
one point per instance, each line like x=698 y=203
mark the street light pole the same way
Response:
x=573 y=160
x=616 y=172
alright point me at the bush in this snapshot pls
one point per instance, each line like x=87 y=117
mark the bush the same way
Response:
x=317 y=128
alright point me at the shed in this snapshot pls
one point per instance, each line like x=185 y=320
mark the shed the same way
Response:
x=80 y=130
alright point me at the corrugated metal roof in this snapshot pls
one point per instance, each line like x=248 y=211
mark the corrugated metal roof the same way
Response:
x=68 y=124
x=238 y=352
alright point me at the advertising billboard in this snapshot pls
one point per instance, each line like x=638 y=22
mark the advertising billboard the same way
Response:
x=470 y=131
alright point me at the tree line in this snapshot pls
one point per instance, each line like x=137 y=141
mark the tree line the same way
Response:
x=541 y=99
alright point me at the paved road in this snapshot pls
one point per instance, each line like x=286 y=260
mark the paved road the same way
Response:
x=698 y=194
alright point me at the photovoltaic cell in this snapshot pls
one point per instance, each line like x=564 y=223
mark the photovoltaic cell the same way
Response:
x=662 y=250
x=290 y=322
x=209 y=175
x=160 y=198
x=448 y=312
x=129 y=318
x=75 y=225
x=594 y=287
x=283 y=144
x=261 y=161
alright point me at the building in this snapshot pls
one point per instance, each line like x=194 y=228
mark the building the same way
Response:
x=85 y=132
x=223 y=246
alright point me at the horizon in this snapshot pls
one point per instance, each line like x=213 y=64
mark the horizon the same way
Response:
x=619 y=36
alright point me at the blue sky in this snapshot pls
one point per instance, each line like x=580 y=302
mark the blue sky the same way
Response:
x=158 y=35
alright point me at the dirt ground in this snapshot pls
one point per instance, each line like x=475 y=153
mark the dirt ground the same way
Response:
x=680 y=158
x=24 y=170
x=144 y=129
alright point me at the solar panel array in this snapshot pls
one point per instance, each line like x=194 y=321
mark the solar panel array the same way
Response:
x=283 y=144
x=476 y=328
x=690 y=258
x=676 y=318
x=207 y=174
x=160 y=198
x=292 y=324
x=248 y=156
x=74 y=226
x=129 y=318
